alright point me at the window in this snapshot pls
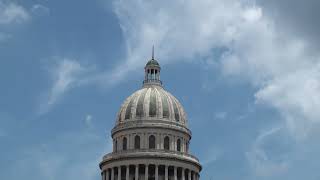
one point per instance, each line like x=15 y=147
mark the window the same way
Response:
x=152 y=142
x=124 y=143
x=115 y=145
x=166 y=143
x=179 y=145
x=137 y=142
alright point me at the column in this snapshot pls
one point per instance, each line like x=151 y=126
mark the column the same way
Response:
x=182 y=174
x=194 y=175
x=143 y=138
x=157 y=141
x=137 y=172
x=107 y=175
x=119 y=173
x=166 y=173
x=161 y=141
x=175 y=173
x=189 y=174
x=156 y=172
x=146 y=172
x=182 y=145
x=127 y=173
x=102 y=175
x=112 y=173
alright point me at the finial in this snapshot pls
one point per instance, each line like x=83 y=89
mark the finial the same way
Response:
x=152 y=52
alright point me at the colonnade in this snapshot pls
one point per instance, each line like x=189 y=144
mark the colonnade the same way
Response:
x=149 y=172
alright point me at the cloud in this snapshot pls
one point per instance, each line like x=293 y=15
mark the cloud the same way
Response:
x=256 y=47
x=88 y=121
x=40 y=9
x=261 y=163
x=11 y=12
x=66 y=74
x=297 y=97
x=71 y=155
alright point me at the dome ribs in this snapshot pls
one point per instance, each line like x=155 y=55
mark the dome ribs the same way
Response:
x=153 y=104
x=139 y=110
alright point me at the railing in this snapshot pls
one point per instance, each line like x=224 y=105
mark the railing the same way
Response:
x=136 y=123
x=155 y=81
x=148 y=151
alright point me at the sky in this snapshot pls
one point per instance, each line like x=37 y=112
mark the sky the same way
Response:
x=246 y=71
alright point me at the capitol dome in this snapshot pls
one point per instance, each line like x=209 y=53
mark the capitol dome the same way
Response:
x=151 y=137
x=152 y=102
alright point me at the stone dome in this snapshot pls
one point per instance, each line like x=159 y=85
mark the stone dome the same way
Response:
x=152 y=102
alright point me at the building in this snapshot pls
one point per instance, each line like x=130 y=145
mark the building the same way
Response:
x=151 y=136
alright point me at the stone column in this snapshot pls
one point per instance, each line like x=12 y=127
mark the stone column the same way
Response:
x=137 y=172
x=112 y=173
x=144 y=141
x=189 y=174
x=183 y=174
x=107 y=175
x=161 y=141
x=166 y=173
x=127 y=173
x=146 y=172
x=182 y=145
x=157 y=141
x=102 y=175
x=156 y=172
x=175 y=173
x=119 y=173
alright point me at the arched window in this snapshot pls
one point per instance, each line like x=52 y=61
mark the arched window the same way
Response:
x=152 y=142
x=179 y=145
x=166 y=143
x=124 y=143
x=137 y=142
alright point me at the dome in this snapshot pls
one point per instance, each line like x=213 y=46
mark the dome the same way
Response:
x=153 y=62
x=152 y=102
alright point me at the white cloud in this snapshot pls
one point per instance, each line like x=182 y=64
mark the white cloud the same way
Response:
x=262 y=164
x=72 y=155
x=40 y=9
x=282 y=67
x=297 y=97
x=256 y=48
x=66 y=75
x=88 y=121
x=12 y=13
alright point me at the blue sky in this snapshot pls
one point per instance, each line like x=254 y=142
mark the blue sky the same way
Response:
x=247 y=73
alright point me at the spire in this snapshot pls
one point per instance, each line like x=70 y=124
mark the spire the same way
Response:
x=152 y=52
x=152 y=72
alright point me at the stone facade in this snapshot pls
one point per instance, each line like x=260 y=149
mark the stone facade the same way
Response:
x=151 y=136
